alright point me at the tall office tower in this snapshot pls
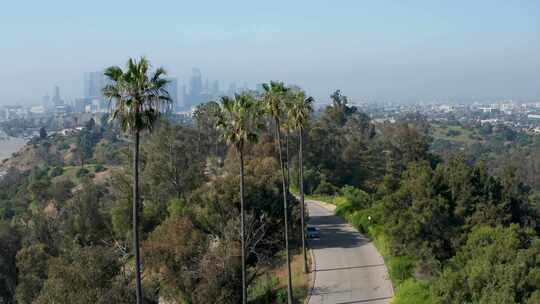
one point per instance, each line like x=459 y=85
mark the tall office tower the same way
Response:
x=172 y=89
x=94 y=82
x=46 y=100
x=56 y=99
x=195 y=88
x=206 y=87
x=215 y=88
x=183 y=98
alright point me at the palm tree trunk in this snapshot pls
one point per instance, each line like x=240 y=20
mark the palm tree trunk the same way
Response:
x=302 y=205
x=288 y=160
x=286 y=215
x=136 y=218
x=244 y=288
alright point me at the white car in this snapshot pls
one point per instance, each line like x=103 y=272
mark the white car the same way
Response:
x=312 y=232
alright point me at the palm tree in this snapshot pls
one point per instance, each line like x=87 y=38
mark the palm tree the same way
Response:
x=274 y=97
x=136 y=100
x=238 y=121
x=299 y=112
x=286 y=127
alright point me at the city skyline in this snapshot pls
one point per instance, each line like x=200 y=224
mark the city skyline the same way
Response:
x=184 y=94
x=382 y=51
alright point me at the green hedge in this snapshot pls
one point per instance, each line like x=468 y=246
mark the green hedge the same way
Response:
x=412 y=291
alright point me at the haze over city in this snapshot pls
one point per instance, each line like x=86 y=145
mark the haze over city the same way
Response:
x=379 y=51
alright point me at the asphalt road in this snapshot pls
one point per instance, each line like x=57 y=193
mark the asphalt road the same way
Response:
x=347 y=267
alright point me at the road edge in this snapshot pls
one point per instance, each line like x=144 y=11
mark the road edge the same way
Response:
x=313 y=275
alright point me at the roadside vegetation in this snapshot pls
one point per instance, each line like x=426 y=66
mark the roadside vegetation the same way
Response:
x=217 y=222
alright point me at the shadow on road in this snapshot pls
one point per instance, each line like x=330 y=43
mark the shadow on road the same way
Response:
x=334 y=233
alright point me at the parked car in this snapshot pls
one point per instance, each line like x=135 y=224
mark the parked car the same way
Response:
x=312 y=232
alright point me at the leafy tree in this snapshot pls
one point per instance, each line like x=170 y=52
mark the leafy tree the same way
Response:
x=61 y=191
x=172 y=254
x=138 y=99
x=86 y=223
x=206 y=117
x=417 y=218
x=9 y=245
x=496 y=265
x=274 y=96
x=173 y=167
x=238 y=123
x=42 y=133
x=32 y=268
x=86 y=275
x=106 y=152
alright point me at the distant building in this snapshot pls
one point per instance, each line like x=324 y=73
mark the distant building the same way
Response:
x=46 y=102
x=172 y=89
x=94 y=82
x=533 y=116
x=37 y=110
x=194 y=97
x=80 y=104
x=487 y=109
x=56 y=99
x=215 y=88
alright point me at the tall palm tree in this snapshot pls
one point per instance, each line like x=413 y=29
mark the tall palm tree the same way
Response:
x=286 y=129
x=238 y=122
x=274 y=98
x=136 y=99
x=299 y=112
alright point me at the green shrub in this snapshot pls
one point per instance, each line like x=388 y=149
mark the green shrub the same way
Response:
x=56 y=171
x=265 y=290
x=360 y=220
x=453 y=133
x=355 y=199
x=82 y=172
x=100 y=168
x=412 y=291
x=312 y=179
x=326 y=188
x=400 y=269
x=177 y=206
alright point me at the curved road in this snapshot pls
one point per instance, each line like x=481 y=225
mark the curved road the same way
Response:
x=347 y=268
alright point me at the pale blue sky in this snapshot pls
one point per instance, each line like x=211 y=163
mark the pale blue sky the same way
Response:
x=372 y=50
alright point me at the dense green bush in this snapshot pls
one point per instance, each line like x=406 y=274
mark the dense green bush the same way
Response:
x=56 y=171
x=361 y=220
x=312 y=179
x=453 y=133
x=326 y=188
x=100 y=168
x=412 y=291
x=82 y=172
x=355 y=199
x=266 y=290
x=400 y=269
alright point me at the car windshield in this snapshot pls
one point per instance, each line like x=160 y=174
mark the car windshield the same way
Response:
x=311 y=229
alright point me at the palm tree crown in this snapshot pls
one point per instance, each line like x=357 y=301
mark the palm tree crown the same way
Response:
x=139 y=97
x=274 y=97
x=300 y=109
x=238 y=120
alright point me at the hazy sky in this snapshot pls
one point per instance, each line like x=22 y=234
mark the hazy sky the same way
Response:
x=372 y=50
